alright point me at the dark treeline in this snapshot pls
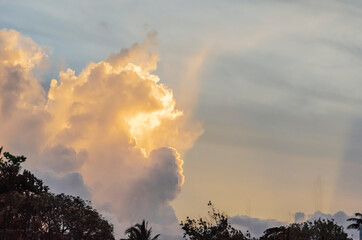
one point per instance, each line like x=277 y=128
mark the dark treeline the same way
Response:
x=216 y=226
x=28 y=210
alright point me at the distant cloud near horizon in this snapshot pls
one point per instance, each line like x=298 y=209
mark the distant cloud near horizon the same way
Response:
x=257 y=226
x=299 y=217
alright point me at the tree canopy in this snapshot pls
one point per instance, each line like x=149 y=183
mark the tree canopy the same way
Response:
x=215 y=226
x=321 y=229
x=29 y=211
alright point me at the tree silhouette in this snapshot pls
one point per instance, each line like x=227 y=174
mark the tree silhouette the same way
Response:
x=275 y=233
x=140 y=232
x=321 y=229
x=29 y=211
x=216 y=227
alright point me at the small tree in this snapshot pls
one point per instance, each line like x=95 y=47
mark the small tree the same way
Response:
x=217 y=227
x=140 y=232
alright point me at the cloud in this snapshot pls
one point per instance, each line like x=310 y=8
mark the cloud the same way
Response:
x=60 y=159
x=22 y=99
x=277 y=96
x=255 y=226
x=299 y=217
x=112 y=132
x=160 y=185
x=70 y=183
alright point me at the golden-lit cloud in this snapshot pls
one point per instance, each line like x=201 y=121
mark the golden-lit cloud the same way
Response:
x=114 y=124
x=22 y=99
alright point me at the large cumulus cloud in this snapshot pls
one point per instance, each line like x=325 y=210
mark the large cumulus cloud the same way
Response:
x=112 y=130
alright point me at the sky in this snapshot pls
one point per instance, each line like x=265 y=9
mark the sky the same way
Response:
x=153 y=108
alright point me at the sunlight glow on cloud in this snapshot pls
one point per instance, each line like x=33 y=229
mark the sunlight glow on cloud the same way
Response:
x=114 y=124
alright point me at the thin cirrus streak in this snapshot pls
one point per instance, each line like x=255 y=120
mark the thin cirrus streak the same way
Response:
x=114 y=124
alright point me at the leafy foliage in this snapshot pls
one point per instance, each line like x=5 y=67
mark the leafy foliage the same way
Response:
x=11 y=180
x=216 y=227
x=29 y=211
x=321 y=229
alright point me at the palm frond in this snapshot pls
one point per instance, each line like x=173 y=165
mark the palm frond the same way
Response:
x=140 y=232
x=353 y=226
x=156 y=237
x=357 y=221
